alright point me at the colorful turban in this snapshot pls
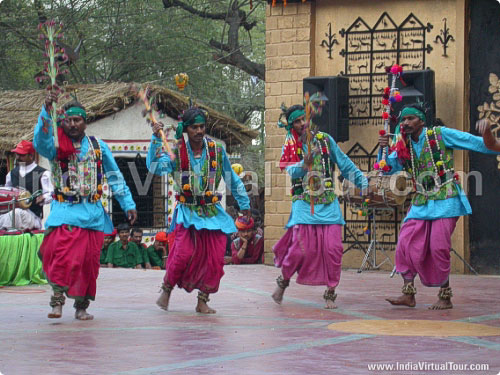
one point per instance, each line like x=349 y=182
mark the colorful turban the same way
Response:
x=243 y=223
x=161 y=237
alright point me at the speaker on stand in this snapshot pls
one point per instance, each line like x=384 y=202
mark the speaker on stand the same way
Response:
x=416 y=86
x=334 y=119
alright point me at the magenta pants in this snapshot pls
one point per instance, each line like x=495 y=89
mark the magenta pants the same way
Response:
x=424 y=249
x=314 y=251
x=196 y=259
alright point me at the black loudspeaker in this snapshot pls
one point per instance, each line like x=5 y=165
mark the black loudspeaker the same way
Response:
x=334 y=119
x=417 y=86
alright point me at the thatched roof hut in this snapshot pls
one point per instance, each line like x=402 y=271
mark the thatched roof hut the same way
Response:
x=19 y=111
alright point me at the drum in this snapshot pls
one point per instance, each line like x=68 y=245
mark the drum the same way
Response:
x=386 y=190
x=11 y=195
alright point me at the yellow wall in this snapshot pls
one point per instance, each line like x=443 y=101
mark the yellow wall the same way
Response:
x=293 y=52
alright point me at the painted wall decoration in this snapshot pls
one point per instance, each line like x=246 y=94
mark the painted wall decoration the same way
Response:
x=444 y=37
x=491 y=110
x=484 y=100
x=330 y=42
x=368 y=50
x=358 y=229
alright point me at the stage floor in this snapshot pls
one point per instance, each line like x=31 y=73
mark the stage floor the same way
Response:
x=250 y=334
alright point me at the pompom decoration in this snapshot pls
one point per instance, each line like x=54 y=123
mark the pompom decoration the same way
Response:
x=390 y=95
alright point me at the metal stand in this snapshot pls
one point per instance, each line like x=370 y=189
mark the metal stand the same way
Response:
x=370 y=258
x=452 y=250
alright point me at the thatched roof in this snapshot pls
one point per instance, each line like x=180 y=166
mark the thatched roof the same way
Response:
x=19 y=111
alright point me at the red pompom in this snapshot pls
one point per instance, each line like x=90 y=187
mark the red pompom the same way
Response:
x=385 y=115
x=432 y=143
x=385 y=101
x=441 y=173
x=387 y=90
x=386 y=168
x=381 y=132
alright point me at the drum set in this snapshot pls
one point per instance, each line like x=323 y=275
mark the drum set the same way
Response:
x=13 y=197
x=387 y=193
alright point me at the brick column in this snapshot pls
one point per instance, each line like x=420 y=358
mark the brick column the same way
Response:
x=289 y=59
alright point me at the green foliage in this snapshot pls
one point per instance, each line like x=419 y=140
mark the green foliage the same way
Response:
x=140 y=41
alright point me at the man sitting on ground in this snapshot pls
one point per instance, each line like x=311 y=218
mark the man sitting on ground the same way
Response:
x=108 y=240
x=122 y=253
x=248 y=247
x=136 y=237
x=30 y=176
x=158 y=252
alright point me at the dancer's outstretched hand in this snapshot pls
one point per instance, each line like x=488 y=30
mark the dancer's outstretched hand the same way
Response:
x=246 y=213
x=383 y=140
x=482 y=126
x=157 y=126
x=132 y=216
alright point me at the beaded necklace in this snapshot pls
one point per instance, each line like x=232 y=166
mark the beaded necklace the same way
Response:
x=209 y=195
x=439 y=179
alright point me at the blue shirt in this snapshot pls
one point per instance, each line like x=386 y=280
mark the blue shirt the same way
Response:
x=324 y=213
x=84 y=214
x=160 y=164
x=444 y=208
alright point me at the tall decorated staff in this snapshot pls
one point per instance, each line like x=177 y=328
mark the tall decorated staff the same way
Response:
x=313 y=106
x=391 y=95
x=151 y=118
x=51 y=31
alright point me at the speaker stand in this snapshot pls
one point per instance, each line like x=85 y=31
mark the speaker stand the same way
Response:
x=370 y=258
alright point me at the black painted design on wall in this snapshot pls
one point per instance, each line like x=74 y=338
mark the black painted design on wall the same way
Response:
x=368 y=50
x=332 y=40
x=444 y=37
x=388 y=222
x=484 y=60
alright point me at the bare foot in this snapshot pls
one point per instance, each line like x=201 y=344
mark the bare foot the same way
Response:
x=56 y=312
x=203 y=308
x=330 y=304
x=442 y=304
x=278 y=295
x=403 y=300
x=81 y=314
x=163 y=300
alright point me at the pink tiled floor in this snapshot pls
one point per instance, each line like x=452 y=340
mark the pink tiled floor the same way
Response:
x=250 y=334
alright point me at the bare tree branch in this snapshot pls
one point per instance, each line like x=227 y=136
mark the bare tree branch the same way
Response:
x=235 y=18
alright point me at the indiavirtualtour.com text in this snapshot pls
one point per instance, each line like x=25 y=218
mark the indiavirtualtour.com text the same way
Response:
x=428 y=366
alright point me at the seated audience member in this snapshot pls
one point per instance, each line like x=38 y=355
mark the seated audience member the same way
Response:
x=157 y=253
x=248 y=247
x=30 y=176
x=257 y=221
x=108 y=240
x=123 y=253
x=136 y=237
